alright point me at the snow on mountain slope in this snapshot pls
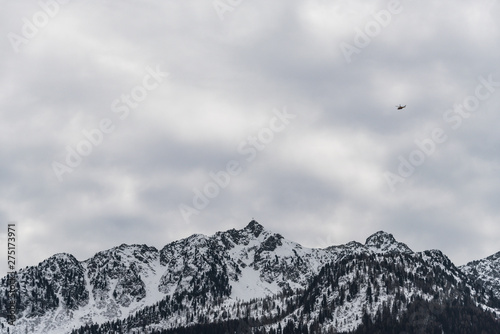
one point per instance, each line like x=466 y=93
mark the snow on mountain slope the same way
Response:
x=370 y=286
x=61 y=293
x=266 y=263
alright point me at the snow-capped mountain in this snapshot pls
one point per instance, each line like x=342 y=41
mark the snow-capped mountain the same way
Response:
x=252 y=281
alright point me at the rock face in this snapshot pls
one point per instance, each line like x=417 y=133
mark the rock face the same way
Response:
x=382 y=242
x=255 y=279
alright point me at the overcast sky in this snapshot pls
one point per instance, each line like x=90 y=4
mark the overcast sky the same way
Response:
x=148 y=121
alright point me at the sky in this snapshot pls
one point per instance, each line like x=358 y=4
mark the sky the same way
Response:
x=143 y=122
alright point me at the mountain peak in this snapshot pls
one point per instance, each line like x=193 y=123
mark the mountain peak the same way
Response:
x=385 y=242
x=379 y=237
x=255 y=228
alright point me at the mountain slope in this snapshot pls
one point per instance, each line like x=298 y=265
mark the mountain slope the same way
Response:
x=485 y=272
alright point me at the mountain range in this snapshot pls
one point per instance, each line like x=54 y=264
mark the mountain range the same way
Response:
x=252 y=280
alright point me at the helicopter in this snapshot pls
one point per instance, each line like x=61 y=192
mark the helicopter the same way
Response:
x=401 y=107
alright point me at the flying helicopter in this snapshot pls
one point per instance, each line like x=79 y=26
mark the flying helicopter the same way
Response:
x=401 y=107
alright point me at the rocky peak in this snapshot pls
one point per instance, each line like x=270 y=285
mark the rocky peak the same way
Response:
x=255 y=228
x=382 y=242
x=379 y=238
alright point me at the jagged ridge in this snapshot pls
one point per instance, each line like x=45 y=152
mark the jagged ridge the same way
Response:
x=185 y=282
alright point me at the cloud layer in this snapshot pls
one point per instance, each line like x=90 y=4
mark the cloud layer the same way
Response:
x=118 y=122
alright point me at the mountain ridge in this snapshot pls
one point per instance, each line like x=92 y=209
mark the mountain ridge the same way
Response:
x=234 y=268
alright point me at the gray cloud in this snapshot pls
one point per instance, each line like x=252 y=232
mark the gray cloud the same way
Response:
x=319 y=180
